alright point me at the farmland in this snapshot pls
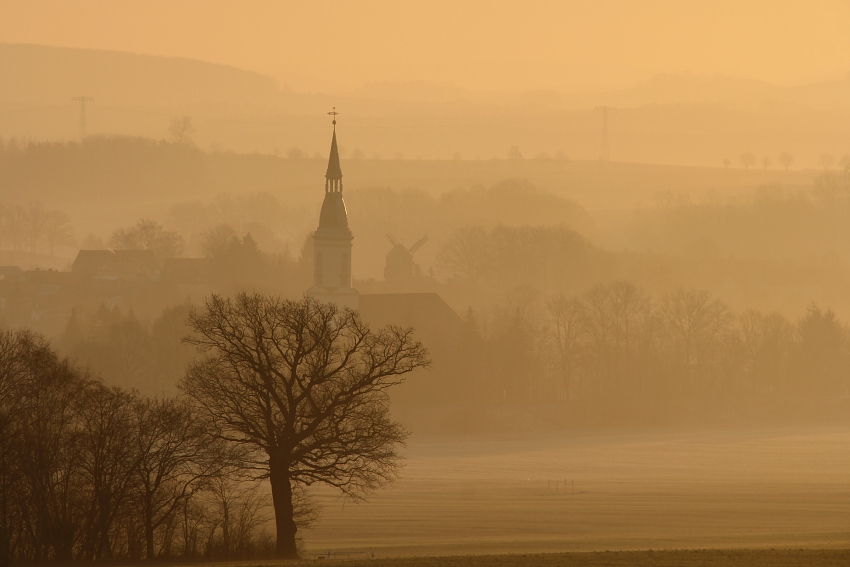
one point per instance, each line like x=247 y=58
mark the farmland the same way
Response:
x=650 y=490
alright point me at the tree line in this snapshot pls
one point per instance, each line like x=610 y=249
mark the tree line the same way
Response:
x=96 y=472
x=33 y=228
x=293 y=392
x=615 y=341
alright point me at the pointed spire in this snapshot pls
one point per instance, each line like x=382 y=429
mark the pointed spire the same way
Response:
x=334 y=171
x=334 y=174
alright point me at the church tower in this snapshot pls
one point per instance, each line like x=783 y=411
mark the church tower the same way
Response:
x=332 y=241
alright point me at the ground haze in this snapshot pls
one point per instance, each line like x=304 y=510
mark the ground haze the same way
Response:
x=722 y=488
x=528 y=282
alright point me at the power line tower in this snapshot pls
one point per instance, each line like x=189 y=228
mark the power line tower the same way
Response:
x=83 y=101
x=605 y=111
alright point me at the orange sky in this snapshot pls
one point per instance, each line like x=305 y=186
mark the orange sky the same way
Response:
x=496 y=45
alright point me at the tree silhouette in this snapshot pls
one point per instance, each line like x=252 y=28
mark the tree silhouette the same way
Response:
x=304 y=385
x=465 y=253
x=148 y=235
x=174 y=459
x=747 y=159
x=570 y=332
x=786 y=159
x=822 y=354
x=181 y=130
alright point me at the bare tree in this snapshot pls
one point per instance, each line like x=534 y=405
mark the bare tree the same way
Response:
x=48 y=451
x=175 y=458
x=36 y=220
x=827 y=161
x=148 y=235
x=181 y=130
x=766 y=342
x=747 y=159
x=698 y=325
x=218 y=240
x=57 y=230
x=570 y=331
x=466 y=252
x=13 y=374
x=304 y=384
x=786 y=159
x=108 y=462
x=241 y=508
x=14 y=226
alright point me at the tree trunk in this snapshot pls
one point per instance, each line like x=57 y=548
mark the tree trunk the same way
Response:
x=149 y=527
x=4 y=509
x=283 y=510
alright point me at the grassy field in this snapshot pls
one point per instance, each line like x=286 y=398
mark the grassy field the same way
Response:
x=654 y=490
x=673 y=558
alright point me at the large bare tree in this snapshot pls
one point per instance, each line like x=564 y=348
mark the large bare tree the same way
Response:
x=304 y=384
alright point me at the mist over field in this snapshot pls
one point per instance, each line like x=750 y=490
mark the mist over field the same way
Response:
x=396 y=281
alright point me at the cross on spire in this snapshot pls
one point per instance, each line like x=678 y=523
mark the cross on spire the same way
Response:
x=333 y=177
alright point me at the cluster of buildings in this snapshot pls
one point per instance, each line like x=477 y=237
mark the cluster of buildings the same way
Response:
x=44 y=299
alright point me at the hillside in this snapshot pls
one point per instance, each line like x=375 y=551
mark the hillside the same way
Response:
x=676 y=119
x=38 y=74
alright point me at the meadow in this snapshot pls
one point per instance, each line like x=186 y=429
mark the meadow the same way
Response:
x=674 y=558
x=662 y=490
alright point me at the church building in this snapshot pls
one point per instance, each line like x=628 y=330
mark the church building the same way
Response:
x=434 y=321
x=332 y=242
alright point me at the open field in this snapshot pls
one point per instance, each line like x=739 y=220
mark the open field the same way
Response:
x=653 y=490
x=672 y=558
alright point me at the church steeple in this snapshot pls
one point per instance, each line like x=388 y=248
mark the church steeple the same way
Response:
x=332 y=240
x=333 y=177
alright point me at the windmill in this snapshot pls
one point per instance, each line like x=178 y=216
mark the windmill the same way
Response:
x=400 y=265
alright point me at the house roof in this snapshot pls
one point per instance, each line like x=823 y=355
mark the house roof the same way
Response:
x=425 y=312
x=89 y=262
x=146 y=257
x=334 y=170
x=112 y=264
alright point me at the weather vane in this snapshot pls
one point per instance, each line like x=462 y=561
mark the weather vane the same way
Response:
x=333 y=113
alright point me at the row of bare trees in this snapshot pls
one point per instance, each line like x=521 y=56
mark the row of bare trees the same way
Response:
x=33 y=228
x=294 y=392
x=90 y=472
x=130 y=352
x=616 y=342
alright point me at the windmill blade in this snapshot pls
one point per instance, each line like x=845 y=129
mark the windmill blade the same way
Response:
x=393 y=239
x=418 y=244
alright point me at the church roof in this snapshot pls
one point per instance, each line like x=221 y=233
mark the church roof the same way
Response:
x=333 y=220
x=333 y=213
x=334 y=170
x=427 y=312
